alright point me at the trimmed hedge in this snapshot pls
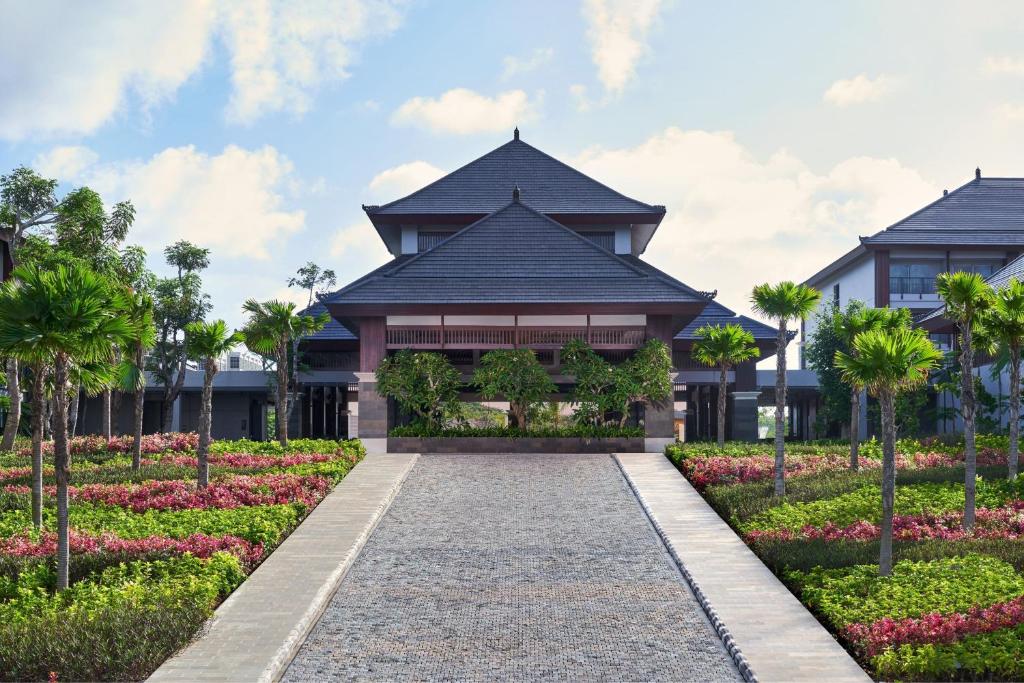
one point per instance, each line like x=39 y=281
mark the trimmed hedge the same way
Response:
x=568 y=431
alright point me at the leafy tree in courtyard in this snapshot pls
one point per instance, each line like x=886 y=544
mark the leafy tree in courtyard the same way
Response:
x=1003 y=323
x=724 y=346
x=856 y=320
x=888 y=361
x=66 y=317
x=206 y=342
x=594 y=380
x=516 y=375
x=270 y=330
x=783 y=302
x=425 y=384
x=967 y=296
x=645 y=379
x=819 y=353
x=132 y=370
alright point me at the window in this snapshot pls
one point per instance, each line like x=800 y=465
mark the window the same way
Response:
x=981 y=267
x=913 y=277
x=605 y=240
x=235 y=362
x=835 y=294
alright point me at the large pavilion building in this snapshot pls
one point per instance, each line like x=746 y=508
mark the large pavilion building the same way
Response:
x=516 y=250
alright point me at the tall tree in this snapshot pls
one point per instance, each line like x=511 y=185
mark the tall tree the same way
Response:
x=178 y=301
x=270 y=329
x=425 y=384
x=206 y=342
x=724 y=346
x=517 y=376
x=887 y=362
x=132 y=369
x=848 y=324
x=967 y=296
x=313 y=278
x=1004 y=325
x=65 y=316
x=783 y=302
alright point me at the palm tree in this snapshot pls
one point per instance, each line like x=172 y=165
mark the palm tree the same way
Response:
x=725 y=346
x=271 y=328
x=784 y=302
x=888 y=362
x=206 y=342
x=847 y=326
x=65 y=316
x=132 y=369
x=967 y=296
x=1004 y=325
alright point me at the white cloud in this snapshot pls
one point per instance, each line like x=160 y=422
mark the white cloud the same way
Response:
x=617 y=32
x=462 y=111
x=735 y=220
x=1012 y=113
x=65 y=162
x=515 y=66
x=1010 y=66
x=578 y=91
x=858 y=90
x=231 y=202
x=99 y=57
x=357 y=244
x=403 y=179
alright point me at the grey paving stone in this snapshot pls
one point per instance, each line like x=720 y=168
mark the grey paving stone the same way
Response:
x=498 y=567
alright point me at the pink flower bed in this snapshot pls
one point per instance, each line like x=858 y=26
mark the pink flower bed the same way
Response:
x=1005 y=523
x=151 y=443
x=200 y=545
x=267 y=489
x=718 y=470
x=246 y=460
x=935 y=628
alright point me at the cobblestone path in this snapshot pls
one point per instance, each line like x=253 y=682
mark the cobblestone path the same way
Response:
x=539 y=567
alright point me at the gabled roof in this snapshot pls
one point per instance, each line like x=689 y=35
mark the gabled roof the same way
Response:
x=998 y=279
x=332 y=331
x=717 y=314
x=983 y=212
x=515 y=255
x=548 y=185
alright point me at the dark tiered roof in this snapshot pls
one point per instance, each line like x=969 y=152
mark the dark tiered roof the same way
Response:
x=515 y=255
x=984 y=212
x=332 y=331
x=717 y=314
x=1000 y=278
x=548 y=185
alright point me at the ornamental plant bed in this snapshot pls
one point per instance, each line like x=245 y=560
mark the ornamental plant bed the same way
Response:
x=953 y=608
x=513 y=444
x=151 y=555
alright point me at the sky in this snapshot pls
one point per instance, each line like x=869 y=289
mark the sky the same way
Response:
x=774 y=133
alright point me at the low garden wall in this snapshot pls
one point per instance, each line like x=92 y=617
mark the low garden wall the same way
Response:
x=497 y=444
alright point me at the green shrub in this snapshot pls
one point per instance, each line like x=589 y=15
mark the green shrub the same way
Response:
x=352 y=446
x=998 y=655
x=564 y=431
x=858 y=594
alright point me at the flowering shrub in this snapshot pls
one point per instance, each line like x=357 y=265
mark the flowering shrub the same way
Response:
x=199 y=545
x=247 y=460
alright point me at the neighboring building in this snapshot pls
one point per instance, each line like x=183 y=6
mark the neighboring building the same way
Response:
x=978 y=227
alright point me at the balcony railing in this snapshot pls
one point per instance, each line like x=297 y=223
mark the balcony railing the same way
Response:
x=912 y=285
x=508 y=337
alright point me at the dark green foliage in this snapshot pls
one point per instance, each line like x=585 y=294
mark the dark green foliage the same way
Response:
x=534 y=431
x=424 y=383
x=819 y=353
x=514 y=375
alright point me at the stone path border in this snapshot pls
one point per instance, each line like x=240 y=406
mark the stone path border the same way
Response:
x=768 y=631
x=255 y=632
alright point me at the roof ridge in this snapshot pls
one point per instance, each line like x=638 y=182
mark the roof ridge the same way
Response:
x=942 y=198
x=532 y=210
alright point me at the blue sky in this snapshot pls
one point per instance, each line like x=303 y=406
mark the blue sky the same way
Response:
x=775 y=133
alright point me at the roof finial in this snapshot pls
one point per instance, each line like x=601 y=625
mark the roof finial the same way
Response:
x=515 y=133
x=945 y=192
x=977 y=173
x=515 y=193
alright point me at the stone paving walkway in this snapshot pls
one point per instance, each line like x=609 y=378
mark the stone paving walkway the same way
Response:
x=519 y=566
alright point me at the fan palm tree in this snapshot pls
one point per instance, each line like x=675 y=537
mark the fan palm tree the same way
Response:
x=967 y=296
x=206 y=342
x=783 y=302
x=888 y=362
x=1004 y=325
x=132 y=369
x=270 y=330
x=847 y=326
x=65 y=316
x=724 y=346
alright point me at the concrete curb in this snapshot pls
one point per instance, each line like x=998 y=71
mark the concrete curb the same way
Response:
x=720 y=628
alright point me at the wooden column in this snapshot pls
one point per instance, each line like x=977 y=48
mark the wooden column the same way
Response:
x=881 y=279
x=659 y=423
x=372 y=343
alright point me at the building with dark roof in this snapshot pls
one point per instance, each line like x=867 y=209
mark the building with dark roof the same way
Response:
x=514 y=249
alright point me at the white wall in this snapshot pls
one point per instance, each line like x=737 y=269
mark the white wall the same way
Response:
x=856 y=281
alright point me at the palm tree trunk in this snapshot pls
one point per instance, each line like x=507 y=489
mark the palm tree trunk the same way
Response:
x=967 y=400
x=888 y=481
x=854 y=428
x=1014 y=410
x=14 y=414
x=38 y=377
x=282 y=395
x=105 y=419
x=62 y=465
x=140 y=404
x=780 y=411
x=205 y=418
x=722 y=386
x=73 y=411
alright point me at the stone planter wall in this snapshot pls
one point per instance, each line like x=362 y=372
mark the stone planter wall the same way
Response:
x=493 y=444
